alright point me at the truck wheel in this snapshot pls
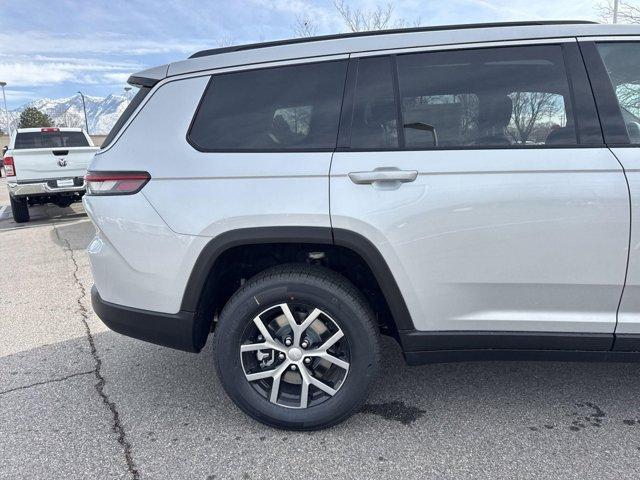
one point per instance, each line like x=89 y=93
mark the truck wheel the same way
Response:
x=297 y=347
x=20 y=209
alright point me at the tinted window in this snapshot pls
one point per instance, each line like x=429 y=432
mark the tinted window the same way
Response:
x=374 y=122
x=122 y=119
x=622 y=61
x=50 y=140
x=293 y=107
x=508 y=96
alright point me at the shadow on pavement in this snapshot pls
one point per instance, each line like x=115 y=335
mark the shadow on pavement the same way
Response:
x=180 y=423
x=43 y=215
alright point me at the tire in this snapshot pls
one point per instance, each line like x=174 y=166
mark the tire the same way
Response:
x=20 y=209
x=343 y=310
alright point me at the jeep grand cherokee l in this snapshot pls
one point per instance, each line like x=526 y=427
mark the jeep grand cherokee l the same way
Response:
x=468 y=190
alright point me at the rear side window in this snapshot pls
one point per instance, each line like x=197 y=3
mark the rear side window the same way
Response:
x=374 y=122
x=50 y=140
x=622 y=61
x=284 y=108
x=493 y=97
x=489 y=97
x=137 y=100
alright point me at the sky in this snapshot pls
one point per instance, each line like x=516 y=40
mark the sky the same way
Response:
x=53 y=48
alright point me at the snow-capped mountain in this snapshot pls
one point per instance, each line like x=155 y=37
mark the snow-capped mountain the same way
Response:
x=102 y=112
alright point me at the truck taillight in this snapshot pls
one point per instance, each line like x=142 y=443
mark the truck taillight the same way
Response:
x=9 y=167
x=115 y=183
x=49 y=129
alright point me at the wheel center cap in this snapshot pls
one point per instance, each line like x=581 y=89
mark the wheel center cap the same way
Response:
x=295 y=354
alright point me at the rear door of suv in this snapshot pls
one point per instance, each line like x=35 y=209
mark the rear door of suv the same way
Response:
x=481 y=175
x=614 y=69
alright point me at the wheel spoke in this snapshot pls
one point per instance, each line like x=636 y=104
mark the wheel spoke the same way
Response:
x=331 y=341
x=263 y=329
x=275 y=388
x=322 y=386
x=305 y=324
x=252 y=347
x=289 y=316
x=335 y=360
x=304 y=388
x=252 y=377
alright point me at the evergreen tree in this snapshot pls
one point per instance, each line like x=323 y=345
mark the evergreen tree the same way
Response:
x=32 y=118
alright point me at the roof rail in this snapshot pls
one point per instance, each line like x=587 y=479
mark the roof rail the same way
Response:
x=292 y=41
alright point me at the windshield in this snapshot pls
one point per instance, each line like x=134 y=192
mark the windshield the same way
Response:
x=50 y=140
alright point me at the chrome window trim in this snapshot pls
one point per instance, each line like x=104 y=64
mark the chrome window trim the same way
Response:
x=611 y=38
x=464 y=46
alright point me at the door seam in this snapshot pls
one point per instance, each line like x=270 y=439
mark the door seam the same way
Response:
x=626 y=271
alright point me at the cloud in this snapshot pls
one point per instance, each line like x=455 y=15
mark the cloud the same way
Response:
x=37 y=42
x=21 y=95
x=32 y=73
x=120 y=77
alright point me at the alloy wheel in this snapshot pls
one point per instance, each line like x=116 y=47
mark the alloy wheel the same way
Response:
x=295 y=355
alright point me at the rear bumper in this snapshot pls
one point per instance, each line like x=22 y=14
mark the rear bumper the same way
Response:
x=42 y=188
x=181 y=331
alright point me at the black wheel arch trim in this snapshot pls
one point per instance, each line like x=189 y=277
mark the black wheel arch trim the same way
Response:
x=292 y=234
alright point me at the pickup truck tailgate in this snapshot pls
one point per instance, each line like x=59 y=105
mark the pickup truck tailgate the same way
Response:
x=46 y=163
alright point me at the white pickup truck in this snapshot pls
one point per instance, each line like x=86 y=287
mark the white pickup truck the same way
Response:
x=46 y=165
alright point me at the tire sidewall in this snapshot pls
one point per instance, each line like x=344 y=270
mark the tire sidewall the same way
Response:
x=346 y=312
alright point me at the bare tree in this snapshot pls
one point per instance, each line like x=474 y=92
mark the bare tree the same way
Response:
x=305 y=27
x=379 y=18
x=530 y=111
x=628 y=11
x=225 y=41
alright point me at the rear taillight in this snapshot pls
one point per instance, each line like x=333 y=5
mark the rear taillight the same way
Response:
x=50 y=129
x=9 y=167
x=115 y=183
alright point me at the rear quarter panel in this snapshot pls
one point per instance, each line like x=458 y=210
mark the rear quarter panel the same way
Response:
x=206 y=194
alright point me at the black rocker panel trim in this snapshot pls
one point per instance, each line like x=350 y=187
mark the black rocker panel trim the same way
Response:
x=421 y=341
x=627 y=342
x=450 y=356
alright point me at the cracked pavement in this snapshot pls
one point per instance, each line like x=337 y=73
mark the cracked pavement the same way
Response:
x=79 y=401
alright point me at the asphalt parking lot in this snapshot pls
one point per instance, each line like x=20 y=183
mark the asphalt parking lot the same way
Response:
x=79 y=401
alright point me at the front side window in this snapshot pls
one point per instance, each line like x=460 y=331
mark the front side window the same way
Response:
x=622 y=61
x=493 y=97
x=284 y=108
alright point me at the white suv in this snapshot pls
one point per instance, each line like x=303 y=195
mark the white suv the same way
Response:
x=469 y=191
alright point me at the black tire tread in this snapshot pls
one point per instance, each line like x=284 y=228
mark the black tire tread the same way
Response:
x=19 y=209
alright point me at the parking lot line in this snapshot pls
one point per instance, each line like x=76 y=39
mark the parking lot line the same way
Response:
x=2 y=210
